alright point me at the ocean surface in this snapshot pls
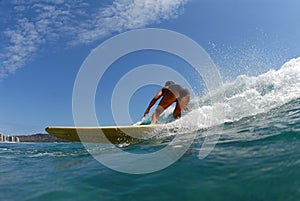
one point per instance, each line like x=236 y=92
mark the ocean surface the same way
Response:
x=254 y=125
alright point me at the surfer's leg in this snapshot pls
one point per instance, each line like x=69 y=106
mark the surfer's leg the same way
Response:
x=184 y=102
x=156 y=114
x=167 y=100
x=177 y=111
x=181 y=104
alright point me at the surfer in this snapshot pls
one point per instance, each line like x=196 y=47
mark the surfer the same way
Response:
x=170 y=93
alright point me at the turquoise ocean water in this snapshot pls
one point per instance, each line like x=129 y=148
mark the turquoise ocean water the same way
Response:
x=257 y=157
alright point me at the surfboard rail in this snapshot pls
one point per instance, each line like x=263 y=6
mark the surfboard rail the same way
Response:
x=104 y=134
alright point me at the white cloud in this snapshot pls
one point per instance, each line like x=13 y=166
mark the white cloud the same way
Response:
x=24 y=42
x=129 y=14
x=34 y=25
x=37 y=23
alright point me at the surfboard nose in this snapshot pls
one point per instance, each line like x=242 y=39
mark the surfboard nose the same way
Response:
x=46 y=129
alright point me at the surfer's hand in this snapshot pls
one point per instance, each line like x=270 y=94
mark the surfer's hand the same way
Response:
x=146 y=112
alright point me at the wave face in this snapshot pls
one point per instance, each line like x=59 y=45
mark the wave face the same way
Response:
x=245 y=96
x=258 y=150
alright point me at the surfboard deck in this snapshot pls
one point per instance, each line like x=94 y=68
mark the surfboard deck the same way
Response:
x=105 y=134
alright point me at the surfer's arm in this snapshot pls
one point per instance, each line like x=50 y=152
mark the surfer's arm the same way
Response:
x=153 y=101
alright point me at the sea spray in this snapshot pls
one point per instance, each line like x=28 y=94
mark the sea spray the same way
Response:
x=245 y=96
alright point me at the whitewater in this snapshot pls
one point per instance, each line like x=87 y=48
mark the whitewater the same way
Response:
x=245 y=96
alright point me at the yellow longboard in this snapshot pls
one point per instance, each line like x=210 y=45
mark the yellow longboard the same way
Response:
x=106 y=134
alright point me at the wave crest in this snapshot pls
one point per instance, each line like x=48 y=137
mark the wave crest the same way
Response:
x=245 y=96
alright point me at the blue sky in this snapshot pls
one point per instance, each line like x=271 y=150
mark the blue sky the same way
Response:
x=44 y=43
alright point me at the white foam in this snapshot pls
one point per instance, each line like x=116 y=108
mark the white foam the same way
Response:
x=244 y=97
